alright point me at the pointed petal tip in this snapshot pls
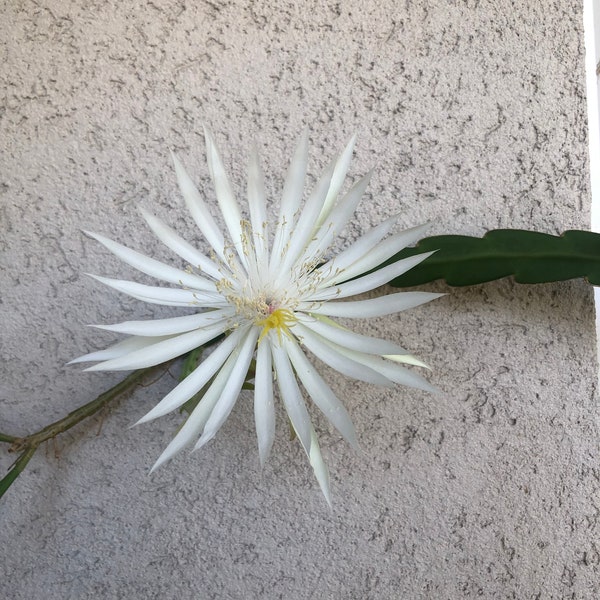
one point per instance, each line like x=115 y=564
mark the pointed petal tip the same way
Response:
x=435 y=391
x=162 y=459
x=97 y=278
x=204 y=439
x=354 y=444
x=144 y=419
x=143 y=211
x=176 y=162
x=407 y=359
x=208 y=136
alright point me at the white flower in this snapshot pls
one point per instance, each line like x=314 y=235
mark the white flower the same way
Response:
x=272 y=291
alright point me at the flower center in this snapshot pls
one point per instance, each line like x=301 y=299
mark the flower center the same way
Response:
x=279 y=319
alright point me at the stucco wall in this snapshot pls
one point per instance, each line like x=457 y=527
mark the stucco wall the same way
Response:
x=473 y=115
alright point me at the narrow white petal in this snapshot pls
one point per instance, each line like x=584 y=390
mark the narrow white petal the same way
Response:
x=182 y=248
x=374 y=307
x=290 y=393
x=337 y=180
x=258 y=211
x=161 y=295
x=198 y=209
x=391 y=370
x=325 y=352
x=164 y=350
x=319 y=466
x=371 y=281
x=407 y=359
x=196 y=380
x=336 y=222
x=153 y=267
x=232 y=389
x=304 y=227
x=227 y=202
x=290 y=199
x=175 y=325
x=364 y=244
x=119 y=349
x=382 y=252
x=264 y=409
x=345 y=337
x=194 y=424
x=321 y=393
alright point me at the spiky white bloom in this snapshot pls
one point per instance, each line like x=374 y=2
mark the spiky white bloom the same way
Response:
x=273 y=291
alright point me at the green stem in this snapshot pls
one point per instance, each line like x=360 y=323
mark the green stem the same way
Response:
x=9 y=439
x=29 y=444
x=17 y=468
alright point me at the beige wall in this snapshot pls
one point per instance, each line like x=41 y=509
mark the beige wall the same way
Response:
x=473 y=115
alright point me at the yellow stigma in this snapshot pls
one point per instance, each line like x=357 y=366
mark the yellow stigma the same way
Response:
x=280 y=320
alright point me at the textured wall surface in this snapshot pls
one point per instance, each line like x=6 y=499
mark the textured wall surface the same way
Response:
x=473 y=114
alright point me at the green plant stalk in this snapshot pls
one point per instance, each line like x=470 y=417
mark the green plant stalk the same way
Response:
x=527 y=256
x=16 y=469
x=9 y=439
x=29 y=444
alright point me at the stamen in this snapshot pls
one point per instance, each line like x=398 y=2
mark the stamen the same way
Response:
x=280 y=319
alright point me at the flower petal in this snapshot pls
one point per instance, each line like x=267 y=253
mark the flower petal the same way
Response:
x=321 y=393
x=324 y=351
x=337 y=180
x=264 y=409
x=153 y=267
x=391 y=370
x=195 y=422
x=173 y=326
x=407 y=359
x=371 y=281
x=319 y=466
x=161 y=295
x=336 y=222
x=163 y=350
x=349 y=339
x=227 y=202
x=304 y=227
x=290 y=393
x=231 y=391
x=198 y=209
x=119 y=349
x=364 y=244
x=258 y=212
x=374 y=307
x=382 y=252
x=182 y=248
x=290 y=200
x=196 y=380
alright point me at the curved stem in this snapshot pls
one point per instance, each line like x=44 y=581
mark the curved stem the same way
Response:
x=29 y=444
x=16 y=469
x=9 y=439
